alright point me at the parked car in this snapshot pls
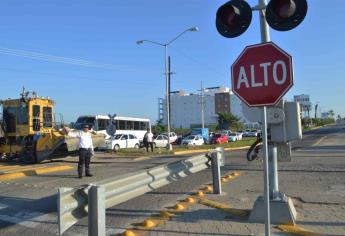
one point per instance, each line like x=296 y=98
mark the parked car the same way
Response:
x=203 y=132
x=172 y=136
x=193 y=140
x=245 y=133
x=233 y=137
x=239 y=135
x=122 y=141
x=160 y=141
x=252 y=133
x=219 y=138
x=226 y=132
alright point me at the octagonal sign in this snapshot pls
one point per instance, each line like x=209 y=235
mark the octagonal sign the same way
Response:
x=262 y=74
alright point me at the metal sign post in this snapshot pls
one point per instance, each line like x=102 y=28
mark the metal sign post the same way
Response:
x=266 y=176
x=265 y=37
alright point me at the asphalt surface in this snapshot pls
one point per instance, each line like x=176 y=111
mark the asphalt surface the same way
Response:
x=28 y=205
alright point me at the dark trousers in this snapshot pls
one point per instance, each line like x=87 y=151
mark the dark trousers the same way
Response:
x=84 y=158
x=147 y=144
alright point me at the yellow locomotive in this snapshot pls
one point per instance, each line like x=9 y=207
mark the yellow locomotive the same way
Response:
x=28 y=130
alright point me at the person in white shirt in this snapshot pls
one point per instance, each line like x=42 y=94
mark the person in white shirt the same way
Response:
x=85 y=150
x=148 y=140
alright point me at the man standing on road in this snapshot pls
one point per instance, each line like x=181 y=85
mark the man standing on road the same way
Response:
x=148 y=140
x=85 y=150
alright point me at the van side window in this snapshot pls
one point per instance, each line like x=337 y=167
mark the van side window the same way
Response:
x=102 y=124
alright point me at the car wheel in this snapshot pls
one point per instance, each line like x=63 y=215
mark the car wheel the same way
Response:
x=136 y=146
x=116 y=147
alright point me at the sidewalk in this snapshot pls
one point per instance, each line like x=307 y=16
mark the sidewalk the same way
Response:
x=318 y=199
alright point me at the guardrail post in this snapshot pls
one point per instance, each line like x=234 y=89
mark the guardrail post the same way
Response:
x=96 y=211
x=61 y=223
x=221 y=155
x=215 y=162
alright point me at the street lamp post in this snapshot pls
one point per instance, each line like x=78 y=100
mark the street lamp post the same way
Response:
x=166 y=45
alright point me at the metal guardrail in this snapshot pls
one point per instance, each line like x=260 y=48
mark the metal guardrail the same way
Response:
x=73 y=203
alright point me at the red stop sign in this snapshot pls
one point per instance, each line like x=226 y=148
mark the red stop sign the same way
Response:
x=262 y=74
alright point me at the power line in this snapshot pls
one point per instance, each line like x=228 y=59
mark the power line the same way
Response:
x=65 y=60
x=197 y=62
x=64 y=76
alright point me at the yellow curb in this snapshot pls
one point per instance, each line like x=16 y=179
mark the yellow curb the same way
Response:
x=33 y=172
x=52 y=169
x=297 y=230
x=189 y=200
x=128 y=233
x=207 y=150
x=236 y=148
x=191 y=151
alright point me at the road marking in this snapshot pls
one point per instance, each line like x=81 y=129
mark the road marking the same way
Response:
x=319 y=141
x=28 y=219
x=3 y=206
x=142 y=158
x=224 y=207
x=33 y=172
x=295 y=229
x=326 y=150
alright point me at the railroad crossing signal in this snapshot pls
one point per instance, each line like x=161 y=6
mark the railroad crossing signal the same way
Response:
x=234 y=17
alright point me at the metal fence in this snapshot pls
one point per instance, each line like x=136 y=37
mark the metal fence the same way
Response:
x=75 y=203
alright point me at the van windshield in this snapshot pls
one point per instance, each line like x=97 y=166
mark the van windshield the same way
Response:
x=84 y=120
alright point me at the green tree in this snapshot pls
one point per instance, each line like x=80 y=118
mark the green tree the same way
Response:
x=331 y=113
x=158 y=128
x=227 y=120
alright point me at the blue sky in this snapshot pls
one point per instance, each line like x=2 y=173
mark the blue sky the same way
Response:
x=125 y=78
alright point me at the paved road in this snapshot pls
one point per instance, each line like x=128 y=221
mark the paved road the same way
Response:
x=28 y=205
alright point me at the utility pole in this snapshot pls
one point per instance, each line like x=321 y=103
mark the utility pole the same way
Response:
x=169 y=93
x=202 y=107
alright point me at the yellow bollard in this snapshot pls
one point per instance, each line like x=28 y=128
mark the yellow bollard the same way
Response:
x=128 y=233
x=179 y=207
x=149 y=223
x=189 y=200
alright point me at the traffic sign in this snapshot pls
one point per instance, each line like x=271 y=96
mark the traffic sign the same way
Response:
x=262 y=74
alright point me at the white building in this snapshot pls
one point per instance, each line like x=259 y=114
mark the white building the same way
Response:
x=305 y=104
x=185 y=109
